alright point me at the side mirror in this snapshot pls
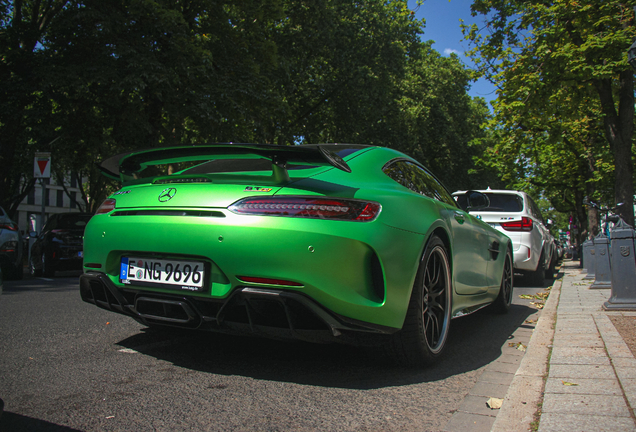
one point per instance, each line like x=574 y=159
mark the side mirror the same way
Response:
x=476 y=201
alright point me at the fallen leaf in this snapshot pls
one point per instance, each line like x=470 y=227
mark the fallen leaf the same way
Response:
x=526 y=296
x=110 y=417
x=494 y=403
x=530 y=321
x=518 y=345
x=565 y=383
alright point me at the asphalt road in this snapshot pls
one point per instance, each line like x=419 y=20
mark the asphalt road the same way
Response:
x=66 y=365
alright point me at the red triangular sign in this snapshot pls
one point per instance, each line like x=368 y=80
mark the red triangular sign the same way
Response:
x=42 y=164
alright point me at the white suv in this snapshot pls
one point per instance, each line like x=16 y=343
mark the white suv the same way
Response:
x=515 y=214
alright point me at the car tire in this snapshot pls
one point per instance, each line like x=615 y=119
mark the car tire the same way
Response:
x=33 y=271
x=47 y=268
x=537 y=277
x=503 y=301
x=423 y=336
x=552 y=268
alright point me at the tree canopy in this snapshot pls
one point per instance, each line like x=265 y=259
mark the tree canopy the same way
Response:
x=565 y=109
x=86 y=79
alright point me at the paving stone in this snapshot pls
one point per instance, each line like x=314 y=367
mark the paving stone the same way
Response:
x=477 y=405
x=463 y=422
x=611 y=406
x=582 y=371
x=553 y=422
x=574 y=351
x=619 y=350
x=482 y=388
x=580 y=341
x=629 y=387
x=497 y=377
x=499 y=366
x=583 y=386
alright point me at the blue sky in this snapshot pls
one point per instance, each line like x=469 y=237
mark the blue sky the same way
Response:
x=442 y=26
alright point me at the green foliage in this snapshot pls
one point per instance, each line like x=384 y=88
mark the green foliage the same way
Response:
x=565 y=111
x=86 y=79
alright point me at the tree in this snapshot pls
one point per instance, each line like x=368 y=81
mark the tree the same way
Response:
x=563 y=80
x=23 y=25
x=127 y=74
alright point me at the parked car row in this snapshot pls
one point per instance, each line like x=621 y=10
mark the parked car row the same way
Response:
x=11 y=247
x=515 y=214
x=58 y=247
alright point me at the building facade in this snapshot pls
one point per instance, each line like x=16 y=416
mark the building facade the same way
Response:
x=55 y=199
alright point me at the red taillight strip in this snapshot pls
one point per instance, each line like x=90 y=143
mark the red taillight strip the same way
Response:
x=9 y=226
x=525 y=224
x=106 y=207
x=268 y=281
x=308 y=207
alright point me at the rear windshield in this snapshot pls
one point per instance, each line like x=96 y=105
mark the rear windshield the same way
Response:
x=509 y=203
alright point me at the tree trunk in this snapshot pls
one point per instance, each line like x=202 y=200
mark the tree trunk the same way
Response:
x=618 y=131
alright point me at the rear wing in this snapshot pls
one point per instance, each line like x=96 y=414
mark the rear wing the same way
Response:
x=125 y=166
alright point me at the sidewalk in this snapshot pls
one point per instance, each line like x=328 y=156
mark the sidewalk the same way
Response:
x=577 y=371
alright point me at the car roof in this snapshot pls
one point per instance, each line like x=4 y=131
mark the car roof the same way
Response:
x=500 y=191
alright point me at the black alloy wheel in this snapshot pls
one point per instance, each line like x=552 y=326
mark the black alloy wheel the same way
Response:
x=426 y=326
x=504 y=298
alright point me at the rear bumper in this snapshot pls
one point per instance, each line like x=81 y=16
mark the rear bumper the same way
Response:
x=254 y=311
x=362 y=271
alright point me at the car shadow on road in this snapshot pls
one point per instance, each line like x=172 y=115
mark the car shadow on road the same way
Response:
x=19 y=423
x=30 y=283
x=474 y=341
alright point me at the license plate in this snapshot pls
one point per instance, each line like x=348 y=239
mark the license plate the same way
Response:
x=183 y=275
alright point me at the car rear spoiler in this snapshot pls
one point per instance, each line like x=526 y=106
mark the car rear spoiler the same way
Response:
x=125 y=166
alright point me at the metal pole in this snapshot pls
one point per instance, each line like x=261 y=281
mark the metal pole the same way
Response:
x=42 y=213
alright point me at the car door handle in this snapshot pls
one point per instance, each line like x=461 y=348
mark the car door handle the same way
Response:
x=459 y=217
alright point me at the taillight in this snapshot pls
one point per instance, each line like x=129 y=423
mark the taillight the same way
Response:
x=525 y=224
x=9 y=226
x=106 y=207
x=308 y=207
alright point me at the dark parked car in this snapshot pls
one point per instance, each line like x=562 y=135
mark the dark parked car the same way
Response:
x=60 y=244
x=10 y=247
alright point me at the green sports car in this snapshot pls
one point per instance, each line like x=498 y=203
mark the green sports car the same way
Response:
x=329 y=242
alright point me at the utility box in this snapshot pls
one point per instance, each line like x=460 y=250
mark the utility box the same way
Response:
x=623 y=269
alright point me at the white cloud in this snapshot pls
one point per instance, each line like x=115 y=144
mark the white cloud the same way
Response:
x=449 y=51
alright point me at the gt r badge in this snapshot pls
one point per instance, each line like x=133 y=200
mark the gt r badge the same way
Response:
x=122 y=192
x=258 y=189
x=167 y=194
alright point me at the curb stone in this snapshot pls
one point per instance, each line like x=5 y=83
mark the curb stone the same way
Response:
x=526 y=390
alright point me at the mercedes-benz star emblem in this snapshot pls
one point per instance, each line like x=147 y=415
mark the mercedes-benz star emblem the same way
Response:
x=167 y=194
